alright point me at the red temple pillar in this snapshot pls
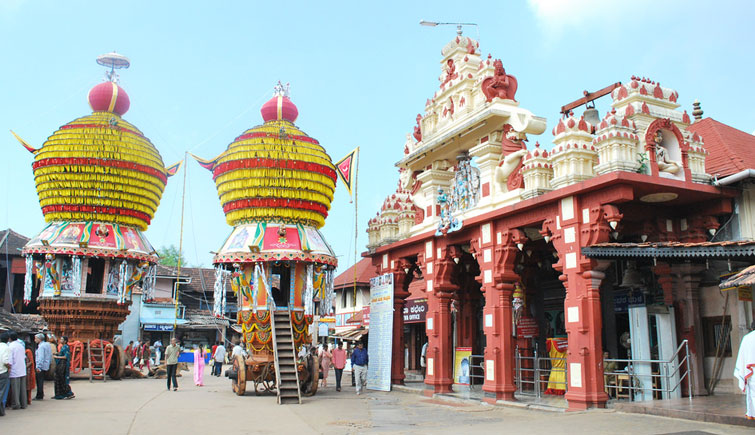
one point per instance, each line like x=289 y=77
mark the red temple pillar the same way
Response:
x=439 y=360
x=578 y=225
x=498 y=278
x=400 y=294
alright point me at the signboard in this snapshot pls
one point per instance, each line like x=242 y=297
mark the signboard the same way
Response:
x=381 y=333
x=322 y=329
x=623 y=301
x=527 y=328
x=462 y=365
x=415 y=310
x=744 y=293
x=150 y=327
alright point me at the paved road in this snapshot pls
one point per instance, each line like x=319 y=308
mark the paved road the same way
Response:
x=144 y=406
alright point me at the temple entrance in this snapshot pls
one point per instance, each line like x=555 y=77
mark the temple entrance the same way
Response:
x=468 y=338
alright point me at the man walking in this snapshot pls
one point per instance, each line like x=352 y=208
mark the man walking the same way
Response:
x=171 y=362
x=17 y=372
x=4 y=370
x=43 y=357
x=339 y=362
x=158 y=352
x=219 y=358
x=359 y=361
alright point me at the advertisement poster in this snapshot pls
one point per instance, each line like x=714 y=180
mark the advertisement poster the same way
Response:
x=380 y=343
x=462 y=365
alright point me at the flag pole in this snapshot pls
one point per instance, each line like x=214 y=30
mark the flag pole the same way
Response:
x=356 y=222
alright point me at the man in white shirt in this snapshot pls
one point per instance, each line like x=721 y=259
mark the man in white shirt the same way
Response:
x=4 y=370
x=219 y=359
x=17 y=372
x=744 y=372
x=158 y=351
x=238 y=350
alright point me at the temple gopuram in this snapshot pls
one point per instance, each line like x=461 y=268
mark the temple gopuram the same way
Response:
x=610 y=239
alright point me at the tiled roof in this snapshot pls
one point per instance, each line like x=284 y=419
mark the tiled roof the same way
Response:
x=365 y=271
x=745 y=277
x=13 y=241
x=197 y=274
x=21 y=322
x=730 y=150
x=727 y=248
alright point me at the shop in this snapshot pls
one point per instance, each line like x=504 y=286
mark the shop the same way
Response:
x=415 y=337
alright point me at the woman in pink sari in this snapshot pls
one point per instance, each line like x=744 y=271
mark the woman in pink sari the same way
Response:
x=199 y=366
x=326 y=359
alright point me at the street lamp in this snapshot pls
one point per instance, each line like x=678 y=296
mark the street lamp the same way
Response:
x=458 y=26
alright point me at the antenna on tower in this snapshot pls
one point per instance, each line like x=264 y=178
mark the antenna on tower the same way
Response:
x=114 y=61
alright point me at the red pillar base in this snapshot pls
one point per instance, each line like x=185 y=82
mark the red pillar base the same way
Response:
x=581 y=402
x=492 y=398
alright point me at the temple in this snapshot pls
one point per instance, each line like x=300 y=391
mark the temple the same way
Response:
x=598 y=242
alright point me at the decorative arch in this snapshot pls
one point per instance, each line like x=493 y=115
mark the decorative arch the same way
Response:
x=666 y=124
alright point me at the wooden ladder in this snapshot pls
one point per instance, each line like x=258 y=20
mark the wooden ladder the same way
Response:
x=286 y=373
x=96 y=361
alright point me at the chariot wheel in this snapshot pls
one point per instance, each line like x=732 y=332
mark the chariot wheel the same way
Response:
x=314 y=379
x=266 y=381
x=117 y=363
x=239 y=383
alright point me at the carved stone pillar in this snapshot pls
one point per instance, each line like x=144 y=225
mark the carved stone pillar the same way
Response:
x=689 y=321
x=400 y=293
x=582 y=277
x=663 y=273
x=439 y=358
x=497 y=317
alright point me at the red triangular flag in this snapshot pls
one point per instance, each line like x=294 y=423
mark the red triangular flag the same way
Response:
x=345 y=168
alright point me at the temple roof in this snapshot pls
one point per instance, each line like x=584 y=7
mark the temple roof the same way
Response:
x=730 y=150
x=365 y=271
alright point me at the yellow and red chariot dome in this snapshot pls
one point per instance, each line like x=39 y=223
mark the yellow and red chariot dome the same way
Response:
x=99 y=182
x=275 y=184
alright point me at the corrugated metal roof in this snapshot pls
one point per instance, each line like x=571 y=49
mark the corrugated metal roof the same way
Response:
x=724 y=249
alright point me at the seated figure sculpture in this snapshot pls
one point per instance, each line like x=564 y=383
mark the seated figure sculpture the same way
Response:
x=661 y=157
x=501 y=85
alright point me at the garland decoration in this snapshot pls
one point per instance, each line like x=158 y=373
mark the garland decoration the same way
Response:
x=28 y=279
x=93 y=152
x=76 y=275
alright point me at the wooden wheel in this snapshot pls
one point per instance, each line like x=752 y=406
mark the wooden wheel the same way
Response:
x=239 y=384
x=314 y=380
x=117 y=363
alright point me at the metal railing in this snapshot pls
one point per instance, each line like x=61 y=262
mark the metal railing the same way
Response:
x=638 y=380
x=533 y=372
x=476 y=370
x=652 y=378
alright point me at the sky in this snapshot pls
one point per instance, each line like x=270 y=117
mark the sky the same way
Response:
x=359 y=74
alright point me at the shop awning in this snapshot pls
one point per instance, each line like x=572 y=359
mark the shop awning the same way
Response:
x=743 y=278
x=701 y=250
x=351 y=335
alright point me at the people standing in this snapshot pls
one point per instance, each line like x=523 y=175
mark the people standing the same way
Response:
x=743 y=372
x=423 y=360
x=326 y=359
x=43 y=358
x=199 y=366
x=63 y=371
x=17 y=372
x=237 y=350
x=146 y=354
x=171 y=362
x=359 y=361
x=31 y=373
x=4 y=370
x=218 y=359
x=339 y=362
x=158 y=352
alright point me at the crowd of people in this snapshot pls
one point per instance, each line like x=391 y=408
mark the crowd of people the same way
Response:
x=337 y=359
x=24 y=368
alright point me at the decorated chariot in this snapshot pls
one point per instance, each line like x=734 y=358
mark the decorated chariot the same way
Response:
x=275 y=185
x=99 y=182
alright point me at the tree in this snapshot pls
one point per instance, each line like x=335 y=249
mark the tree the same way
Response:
x=169 y=256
